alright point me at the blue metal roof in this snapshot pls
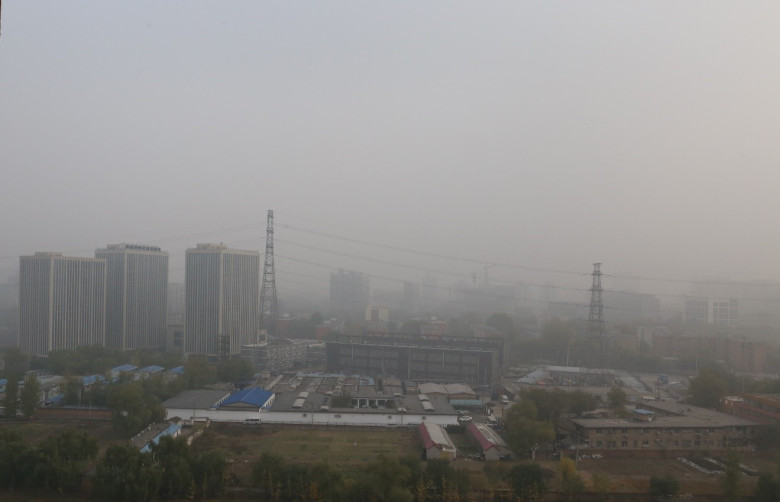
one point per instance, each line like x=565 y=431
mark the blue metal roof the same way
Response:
x=124 y=367
x=89 y=380
x=179 y=370
x=169 y=431
x=253 y=395
x=151 y=369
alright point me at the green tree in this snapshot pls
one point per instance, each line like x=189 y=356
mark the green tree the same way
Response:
x=664 y=486
x=708 y=387
x=528 y=482
x=732 y=476
x=11 y=401
x=173 y=458
x=267 y=473
x=31 y=394
x=327 y=482
x=72 y=391
x=132 y=409
x=125 y=474
x=208 y=470
x=234 y=369
x=15 y=459
x=316 y=318
x=198 y=373
x=617 y=397
x=64 y=456
x=600 y=484
x=16 y=361
x=767 y=488
x=571 y=482
x=522 y=429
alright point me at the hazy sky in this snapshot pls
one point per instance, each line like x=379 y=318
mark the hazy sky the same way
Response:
x=541 y=134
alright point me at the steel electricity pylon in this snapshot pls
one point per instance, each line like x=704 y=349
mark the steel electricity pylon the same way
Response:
x=269 y=308
x=596 y=313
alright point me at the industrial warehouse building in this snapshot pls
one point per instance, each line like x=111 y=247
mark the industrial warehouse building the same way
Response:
x=476 y=361
x=316 y=400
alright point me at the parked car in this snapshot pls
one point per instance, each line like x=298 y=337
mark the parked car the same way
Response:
x=464 y=419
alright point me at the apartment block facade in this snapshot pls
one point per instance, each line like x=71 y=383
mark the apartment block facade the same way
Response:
x=136 y=295
x=62 y=302
x=222 y=299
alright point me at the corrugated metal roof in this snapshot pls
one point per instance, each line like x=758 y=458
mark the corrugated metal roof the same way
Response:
x=151 y=369
x=253 y=395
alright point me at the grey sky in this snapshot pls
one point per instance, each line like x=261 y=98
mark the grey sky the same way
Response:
x=545 y=134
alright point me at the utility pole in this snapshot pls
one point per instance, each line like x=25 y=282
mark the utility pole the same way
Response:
x=269 y=308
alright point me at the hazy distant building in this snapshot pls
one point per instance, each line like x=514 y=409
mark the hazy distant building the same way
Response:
x=62 y=302
x=721 y=311
x=176 y=302
x=222 y=298
x=738 y=354
x=428 y=293
x=349 y=294
x=486 y=299
x=415 y=357
x=410 y=298
x=627 y=307
x=136 y=295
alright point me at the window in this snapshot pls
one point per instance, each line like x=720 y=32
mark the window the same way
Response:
x=624 y=444
x=599 y=444
x=645 y=444
x=598 y=431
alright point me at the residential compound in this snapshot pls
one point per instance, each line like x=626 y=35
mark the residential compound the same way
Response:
x=136 y=296
x=62 y=302
x=222 y=299
x=415 y=357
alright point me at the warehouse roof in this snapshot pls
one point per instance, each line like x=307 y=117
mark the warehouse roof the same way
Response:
x=196 y=399
x=252 y=396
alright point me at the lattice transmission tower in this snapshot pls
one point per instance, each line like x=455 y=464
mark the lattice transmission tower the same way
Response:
x=269 y=308
x=596 y=314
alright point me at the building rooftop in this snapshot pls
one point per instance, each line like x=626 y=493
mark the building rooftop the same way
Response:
x=434 y=435
x=253 y=396
x=669 y=414
x=485 y=436
x=196 y=399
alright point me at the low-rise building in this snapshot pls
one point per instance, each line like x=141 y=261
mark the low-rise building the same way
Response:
x=763 y=408
x=664 y=426
x=493 y=446
x=436 y=442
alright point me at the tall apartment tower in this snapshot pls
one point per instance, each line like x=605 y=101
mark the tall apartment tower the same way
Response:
x=136 y=295
x=222 y=299
x=62 y=302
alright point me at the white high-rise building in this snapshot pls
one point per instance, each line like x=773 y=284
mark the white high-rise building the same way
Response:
x=136 y=295
x=62 y=302
x=222 y=299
